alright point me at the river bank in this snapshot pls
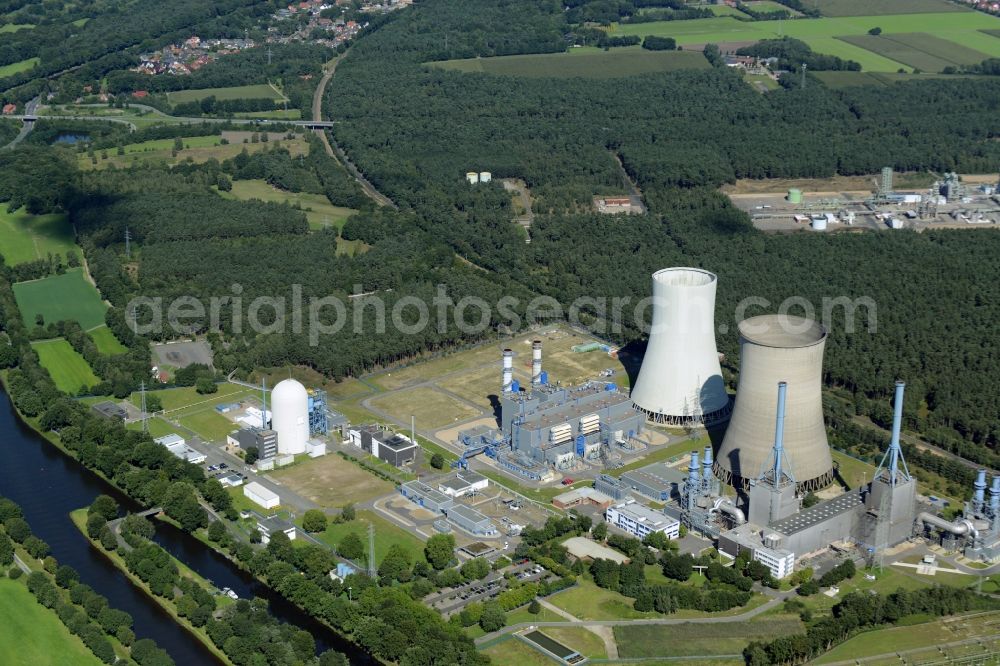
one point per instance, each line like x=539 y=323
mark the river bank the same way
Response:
x=79 y=518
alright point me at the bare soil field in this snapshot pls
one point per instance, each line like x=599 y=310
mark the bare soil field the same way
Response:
x=332 y=481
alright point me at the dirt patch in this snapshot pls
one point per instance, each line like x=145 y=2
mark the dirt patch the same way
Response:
x=183 y=354
x=832 y=185
x=331 y=481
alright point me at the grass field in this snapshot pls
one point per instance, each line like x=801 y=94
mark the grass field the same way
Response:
x=582 y=640
x=18 y=67
x=106 y=341
x=318 y=209
x=276 y=114
x=849 y=79
x=884 y=7
x=386 y=534
x=259 y=91
x=683 y=640
x=14 y=27
x=961 y=28
x=515 y=652
x=33 y=635
x=929 y=634
x=332 y=481
x=198 y=149
x=156 y=427
x=69 y=370
x=589 y=602
x=25 y=237
x=768 y=6
x=591 y=63
x=726 y=10
x=918 y=50
x=436 y=409
x=62 y=297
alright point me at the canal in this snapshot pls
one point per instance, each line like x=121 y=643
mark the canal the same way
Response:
x=48 y=484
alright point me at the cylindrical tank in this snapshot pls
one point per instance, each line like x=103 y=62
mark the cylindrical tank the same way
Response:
x=773 y=349
x=536 y=363
x=290 y=416
x=795 y=195
x=485 y=176
x=680 y=381
x=818 y=224
x=472 y=177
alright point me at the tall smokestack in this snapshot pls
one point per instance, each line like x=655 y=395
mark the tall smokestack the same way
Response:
x=980 y=493
x=995 y=497
x=897 y=425
x=536 y=363
x=779 y=431
x=693 y=474
x=778 y=348
x=507 y=383
x=706 y=472
x=680 y=381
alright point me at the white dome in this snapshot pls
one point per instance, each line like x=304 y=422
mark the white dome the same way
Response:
x=290 y=416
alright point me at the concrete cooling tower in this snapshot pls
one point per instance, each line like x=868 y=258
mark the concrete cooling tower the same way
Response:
x=290 y=416
x=773 y=349
x=680 y=382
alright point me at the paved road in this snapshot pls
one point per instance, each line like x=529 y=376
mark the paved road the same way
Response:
x=334 y=150
x=28 y=122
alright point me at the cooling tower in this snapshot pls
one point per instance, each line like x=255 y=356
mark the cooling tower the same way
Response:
x=290 y=416
x=680 y=382
x=773 y=349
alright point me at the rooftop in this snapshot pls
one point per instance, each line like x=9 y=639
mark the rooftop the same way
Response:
x=817 y=514
x=578 y=494
x=658 y=476
x=643 y=514
x=467 y=513
x=272 y=524
x=432 y=494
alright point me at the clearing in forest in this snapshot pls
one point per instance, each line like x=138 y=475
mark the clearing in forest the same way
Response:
x=69 y=370
x=585 y=62
x=25 y=237
x=62 y=297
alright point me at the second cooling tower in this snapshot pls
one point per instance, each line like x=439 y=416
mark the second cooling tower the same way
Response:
x=680 y=382
x=773 y=349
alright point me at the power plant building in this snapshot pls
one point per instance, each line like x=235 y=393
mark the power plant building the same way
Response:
x=640 y=521
x=657 y=481
x=680 y=381
x=290 y=416
x=396 y=450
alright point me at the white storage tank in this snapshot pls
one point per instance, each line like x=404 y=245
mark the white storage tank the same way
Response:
x=472 y=177
x=290 y=416
x=819 y=224
x=485 y=176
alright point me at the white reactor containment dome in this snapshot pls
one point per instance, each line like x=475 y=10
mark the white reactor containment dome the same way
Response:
x=680 y=381
x=290 y=416
x=773 y=349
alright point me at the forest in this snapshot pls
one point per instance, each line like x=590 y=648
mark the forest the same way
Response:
x=415 y=130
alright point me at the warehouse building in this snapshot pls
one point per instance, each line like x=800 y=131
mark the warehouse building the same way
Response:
x=472 y=521
x=657 y=481
x=427 y=497
x=640 y=521
x=464 y=482
x=178 y=446
x=260 y=495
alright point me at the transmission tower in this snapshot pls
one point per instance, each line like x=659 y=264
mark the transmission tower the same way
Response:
x=803 y=76
x=269 y=56
x=128 y=244
x=371 y=550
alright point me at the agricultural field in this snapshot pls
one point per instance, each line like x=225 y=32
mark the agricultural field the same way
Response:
x=837 y=80
x=276 y=114
x=25 y=237
x=591 y=63
x=106 y=341
x=69 y=370
x=839 y=8
x=824 y=35
x=33 y=635
x=332 y=481
x=768 y=6
x=918 y=50
x=684 y=640
x=319 y=211
x=62 y=297
x=259 y=91
x=18 y=67
x=198 y=149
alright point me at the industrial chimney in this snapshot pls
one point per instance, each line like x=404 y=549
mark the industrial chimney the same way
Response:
x=773 y=349
x=536 y=363
x=680 y=381
x=507 y=383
